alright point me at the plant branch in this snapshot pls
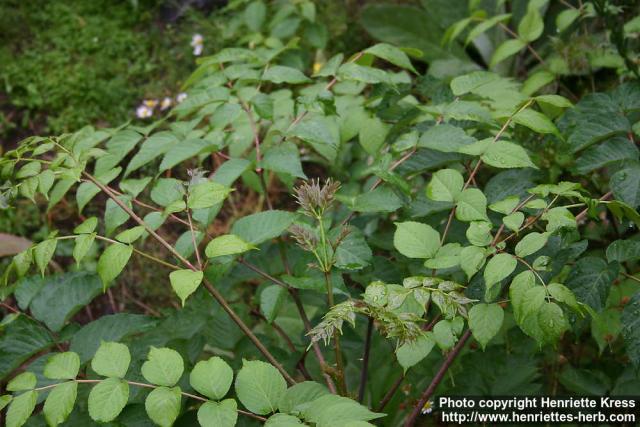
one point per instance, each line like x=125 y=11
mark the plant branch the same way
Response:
x=365 y=360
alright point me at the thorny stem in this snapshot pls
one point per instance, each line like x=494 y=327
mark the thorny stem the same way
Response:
x=145 y=385
x=193 y=240
x=411 y=419
x=213 y=291
x=342 y=386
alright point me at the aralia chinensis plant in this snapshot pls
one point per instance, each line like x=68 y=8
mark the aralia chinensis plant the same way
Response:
x=338 y=245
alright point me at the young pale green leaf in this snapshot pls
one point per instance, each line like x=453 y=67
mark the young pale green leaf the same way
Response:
x=21 y=408
x=212 y=378
x=372 y=135
x=229 y=244
x=259 y=387
x=107 y=399
x=271 y=299
x=43 y=252
x=507 y=155
x=505 y=206
x=218 y=414
x=513 y=221
x=62 y=366
x=531 y=243
x=131 y=235
x=505 y=50
x=88 y=226
x=260 y=227
x=531 y=26
x=82 y=246
x=206 y=194
x=445 y=185
x=472 y=259
x=163 y=405
x=448 y=256
x=163 y=367
x=443 y=335
x=282 y=74
x=391 y=54
x=471 y=205
x=416 y=240
x=111 y=360
x=411 y=353
x=479 y=233
x=565 y=18
x=517 y=290
x=185 y=282
x=112 y=261
x=564 y=295
x=60 y=402
x=23 y=381
x=535 y=121
x=485 y=321
x=486 y=25
x=498 y=268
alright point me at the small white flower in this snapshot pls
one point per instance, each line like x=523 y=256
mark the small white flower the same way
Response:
x=181 y=97
x=196 y=39
x=151 y=103
x=428 y=407
x=197 y=50
x=144 y=112
x=166 y=103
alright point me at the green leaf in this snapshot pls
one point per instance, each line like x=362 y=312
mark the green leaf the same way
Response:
x=531 y=26
x=411 y=353
x=471 y=205
x=185 y=282
x=107 y=399
x=183 y=151
x=513 y=221
x=284 y=158
x=83 y=245
x=498 y=268
x=605 y=154
x=535 y=121
x=21 y=408
x=563 y=294
x=111 y=360
x=623 y=250
x=259 y=386
x=445 y=185
x=446 y=138
x=23 y=381
x=321 y=132
x=260 y=227
x=88 y=226
x=416 y=240
x=382 y=199
x=391 y=54
x=361 y=73
x=486 y=25
x=60 y=402
x=373 y=134
x=591 y=279
x=112 y=261
x=229 y=244
x=131 y=235
x=43 y=252
x=62 y=366
x=552 y=322
x=282 y=74
x=331 y=410
x=212 y=378
x=300 y=395
x=631 y=328
x=271 y=299
x=506 y=155
x=485 y=321
x=505 y=50
x=625 y=184
x=479 y=233
x=21 y=338
x=166 y=191
x=206 y=194
x=218 y=414
x=163 y=405
x=443 y=335
x=471 y=260
x=531 y=243
x=254 y=15
x=154 y=146
x=606 y=327
x=55 y=299
x=163 y=367
x=283 y=420
x=353 y=252
x=565 y=18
